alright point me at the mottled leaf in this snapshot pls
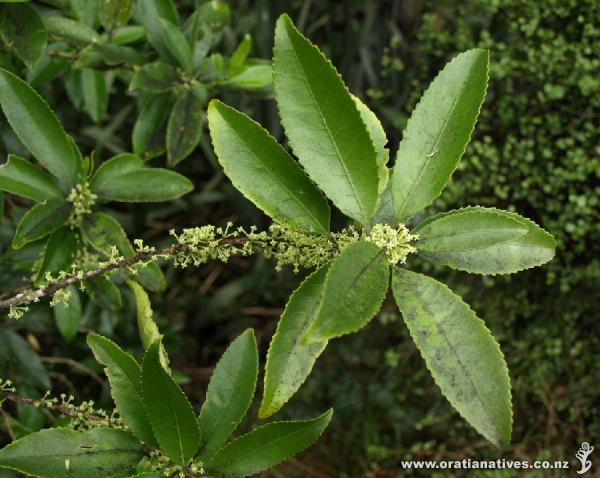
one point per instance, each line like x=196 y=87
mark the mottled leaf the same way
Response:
x=463 y=357
x=63 y=453
x=484 y=241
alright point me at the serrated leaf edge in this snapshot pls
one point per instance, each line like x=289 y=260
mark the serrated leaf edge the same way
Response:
x=328 y=414
x=400 y=217
x=366 y=217
x=264 y=411
x=208 y=394
x=247 y=195
x=513 y=215
x=496 y=347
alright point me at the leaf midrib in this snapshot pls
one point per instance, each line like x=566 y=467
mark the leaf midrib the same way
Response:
x=261 y=447
x=463 y=367
x=333 y=143
x=431 y=155
x=274 y=177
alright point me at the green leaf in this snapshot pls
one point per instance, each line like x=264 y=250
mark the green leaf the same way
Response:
x=38 y=129
x=355 y=287
x=102 y=232
x=289 y=360
x=125 y=377
x=115 y=13
x=95 y=94
x=229 y=393
x=177 y=44
x=128 y=34
x=63 y=453
x=28 y=366
x=379 y=138
x=58 y=254
x=20 y=177
x=438 y=131
x=171 y=415
x=215 y=14
x=151 y=278
x=267 y=446
x=148 y=136
x=113 y=168
x=75 y=33
x=113 y=54
x=463 y=357
x=184 y=128
x=157 y=76
x=68 y=315
x=253 y=77
x=147 y=327
x=41 y=220
x=123 y=178
x=237 y=60
x=104 y=293
x=323 y=125
x=263 y=171
x=86 y=11
x=24 y=31
x=484 y=241
x=150 y=11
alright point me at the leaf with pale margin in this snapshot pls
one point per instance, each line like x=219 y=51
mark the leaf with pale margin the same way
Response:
x=38 y=129
x=266 y=447
x=125 y=377
x=18 y=176
x=289 y=360
x=171 y=416
x=41 y=220
x=379 y=138
x=143 y=185
x=484 y=241
x=147 y=328
x=323 y=124
x=437 y=132
x=355 y=287
x=264 y=172
x=459 y=350
x=63 y=453
x=229 y=393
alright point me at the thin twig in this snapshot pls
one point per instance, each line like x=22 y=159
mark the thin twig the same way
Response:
x=35 y=294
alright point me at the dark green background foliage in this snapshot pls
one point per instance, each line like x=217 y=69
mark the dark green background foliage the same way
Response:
x=535 y=151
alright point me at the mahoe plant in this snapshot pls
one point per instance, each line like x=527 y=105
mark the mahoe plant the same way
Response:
x=342 y=158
